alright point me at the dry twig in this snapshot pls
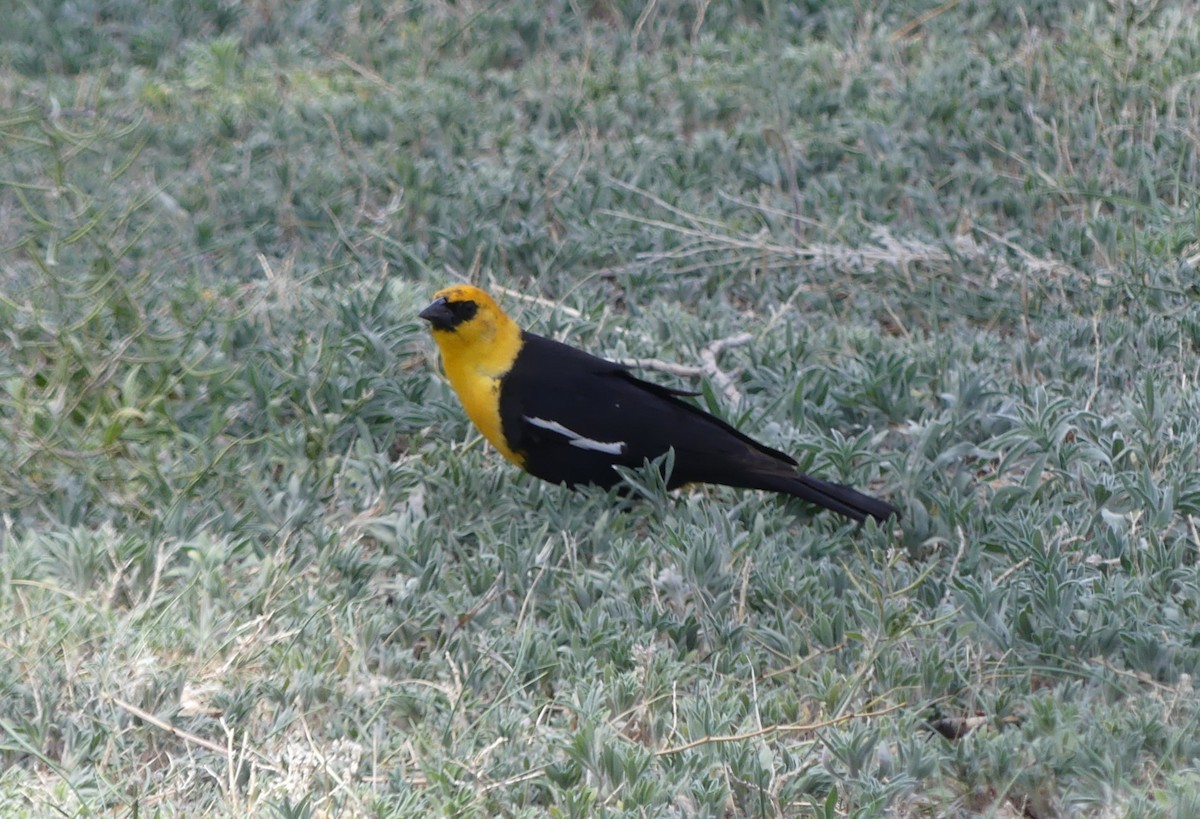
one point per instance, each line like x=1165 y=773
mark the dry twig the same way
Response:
x=709 y=368
x=771 y=730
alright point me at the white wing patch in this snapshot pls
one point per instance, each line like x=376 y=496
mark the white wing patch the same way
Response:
x=575 y=439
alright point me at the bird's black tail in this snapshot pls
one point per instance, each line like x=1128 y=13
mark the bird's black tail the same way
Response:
x=833 y=496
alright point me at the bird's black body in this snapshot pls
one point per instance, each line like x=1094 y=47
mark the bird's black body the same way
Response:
x=572 y=416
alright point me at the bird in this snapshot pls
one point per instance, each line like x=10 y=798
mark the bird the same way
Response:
x=569 y=417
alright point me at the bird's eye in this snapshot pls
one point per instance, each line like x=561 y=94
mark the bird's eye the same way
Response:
x=463 y=310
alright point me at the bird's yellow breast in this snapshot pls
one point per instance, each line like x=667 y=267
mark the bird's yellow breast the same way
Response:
x=479 y=392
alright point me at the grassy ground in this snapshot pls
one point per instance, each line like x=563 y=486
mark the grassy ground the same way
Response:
x=254 y=560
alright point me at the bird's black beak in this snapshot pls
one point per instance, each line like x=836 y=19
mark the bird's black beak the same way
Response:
x=440 y=315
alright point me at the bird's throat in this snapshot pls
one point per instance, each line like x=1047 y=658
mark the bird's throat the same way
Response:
x=479 y=392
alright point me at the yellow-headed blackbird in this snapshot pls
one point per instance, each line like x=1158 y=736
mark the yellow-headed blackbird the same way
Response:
x=570 y=417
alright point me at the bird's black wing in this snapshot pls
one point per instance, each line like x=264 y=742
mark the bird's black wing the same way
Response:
x=573 y=416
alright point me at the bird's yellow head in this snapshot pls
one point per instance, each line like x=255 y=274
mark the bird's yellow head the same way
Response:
x=479 y=345
x=470 y=328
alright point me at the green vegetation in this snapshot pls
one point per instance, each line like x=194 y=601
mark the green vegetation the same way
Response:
x=255 y=561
